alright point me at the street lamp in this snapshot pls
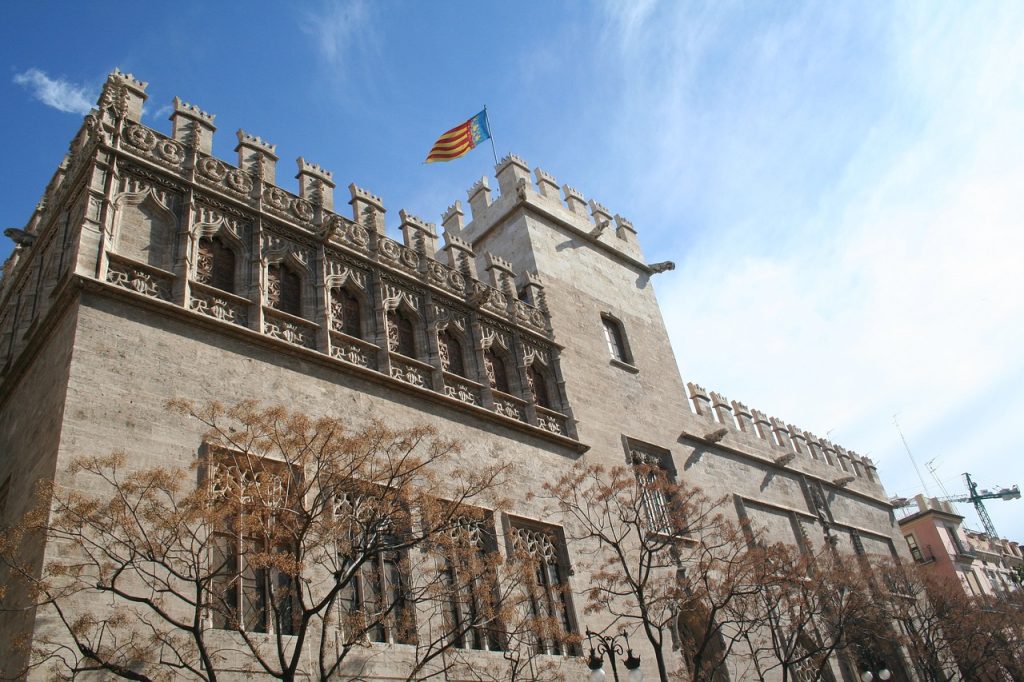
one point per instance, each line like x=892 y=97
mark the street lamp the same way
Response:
x=611 y=646
x=868 y=676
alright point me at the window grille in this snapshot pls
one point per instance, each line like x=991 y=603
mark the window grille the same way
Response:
x=284 y=289
x=653 y=475
x=375 y=596
x=538 y=387
x=472 y=585
x=215 y=264
x=497 y=375
x=549 y=599
x=450 y=350
x=346 y=313
x=247 y=591
x=401 y=334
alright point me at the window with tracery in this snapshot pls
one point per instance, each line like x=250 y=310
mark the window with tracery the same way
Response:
x=401 y=334
x=248 y=590
x=450 y=350
x=346 y=312
x=654 y=477
x=616 y=339
x=215 y=264
x=497 y=375
x=284 y=289
x=538 y=387
x=469 y=575
x=375 y=598
x=548 y=585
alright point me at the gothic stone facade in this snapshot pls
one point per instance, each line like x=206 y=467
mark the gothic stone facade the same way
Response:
x=156 y=270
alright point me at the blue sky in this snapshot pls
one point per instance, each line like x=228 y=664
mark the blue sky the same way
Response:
x=839 y=183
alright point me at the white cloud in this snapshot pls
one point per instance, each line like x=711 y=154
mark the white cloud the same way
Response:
x=851 y=196
x=338 y=28
x=57 y=93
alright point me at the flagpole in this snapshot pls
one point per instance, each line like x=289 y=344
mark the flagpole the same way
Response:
x=491 y=135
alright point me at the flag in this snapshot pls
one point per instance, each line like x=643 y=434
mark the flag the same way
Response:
x=460 y=139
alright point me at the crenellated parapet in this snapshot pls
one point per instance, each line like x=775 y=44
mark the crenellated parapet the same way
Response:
x=732 y=422
x=587 y=219
x=160 y=219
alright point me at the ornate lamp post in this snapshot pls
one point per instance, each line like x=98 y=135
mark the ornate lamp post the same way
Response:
x=868 y=676
x=611 y=646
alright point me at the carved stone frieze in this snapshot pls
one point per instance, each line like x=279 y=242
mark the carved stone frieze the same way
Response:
x=395 y=295
x=351 y=353
x=211 y=168
x=509 y=408
x=446 y=278
x=341 y=272
x=274 y=247
x=140 y=137
x=491 y=335
x=239 y=181
x=219 y=307
x=445 y=317
x=138 y=280
x=461 y=391
x=289 y=331
x=408 y=373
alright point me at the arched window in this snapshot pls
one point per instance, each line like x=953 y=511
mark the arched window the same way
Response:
x=215 y=264
x=538 y=387
x=497 y=375
x=346 y=312
x=450 y=350
x=401 y=336
x=616 y=339
x=284 y=289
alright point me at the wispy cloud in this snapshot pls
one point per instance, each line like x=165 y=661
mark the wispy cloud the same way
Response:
x=56 y=92
x=850 y=189
x=338 y=29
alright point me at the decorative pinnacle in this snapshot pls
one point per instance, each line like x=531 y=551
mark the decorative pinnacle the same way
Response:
x=127 y=79
x=480 y=185
x=313 y=169
x=256 y=141
x=360 y=193
x=452 y=210
x=182 y=107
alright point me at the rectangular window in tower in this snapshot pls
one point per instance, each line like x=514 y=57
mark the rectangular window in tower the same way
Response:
x=540 y=550
x=615 y=336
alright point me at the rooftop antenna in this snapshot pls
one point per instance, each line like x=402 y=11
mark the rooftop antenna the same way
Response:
x=924 y=486
x=932 y=468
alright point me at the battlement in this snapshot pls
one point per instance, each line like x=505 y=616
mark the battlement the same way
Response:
x=589 y=219
x=786 y=445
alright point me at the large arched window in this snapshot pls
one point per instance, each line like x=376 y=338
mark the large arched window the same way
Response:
x=450 y=350
x=284 y=289
x=346 y=312
x=538 y=387
x=401 y=334
x=497 y=375
x=215 y=264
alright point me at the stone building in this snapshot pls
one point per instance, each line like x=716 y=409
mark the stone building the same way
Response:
x=151 y=269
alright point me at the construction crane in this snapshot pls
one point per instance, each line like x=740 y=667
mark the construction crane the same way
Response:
x=976 y=496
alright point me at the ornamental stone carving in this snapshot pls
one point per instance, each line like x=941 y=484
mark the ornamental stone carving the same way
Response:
x=171 y=152
x=140 y=137
x=239 y=181
x=211 y=168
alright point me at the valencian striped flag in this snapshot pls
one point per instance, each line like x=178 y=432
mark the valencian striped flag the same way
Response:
x=460 y=139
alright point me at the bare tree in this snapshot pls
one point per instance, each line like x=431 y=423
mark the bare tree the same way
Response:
x=949 y=634
x=813 y=606
x=288 y=547
x=664 y=559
